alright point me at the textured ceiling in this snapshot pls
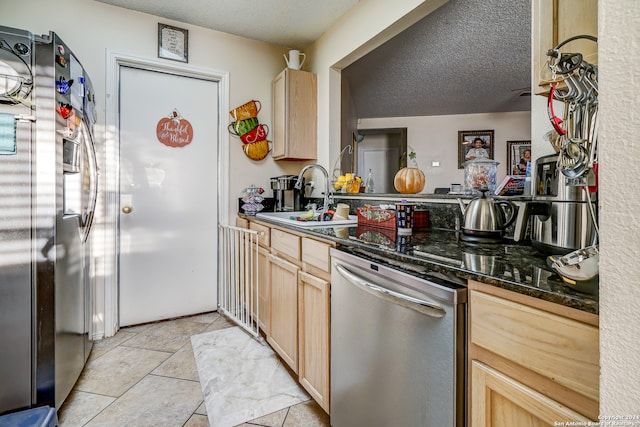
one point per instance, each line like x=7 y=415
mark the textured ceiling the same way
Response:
x=290 y=23
x=469 y=56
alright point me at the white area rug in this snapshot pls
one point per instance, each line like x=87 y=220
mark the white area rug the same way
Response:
x=241 y=379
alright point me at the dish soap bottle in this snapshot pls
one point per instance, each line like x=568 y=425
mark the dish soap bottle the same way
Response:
x=369 y=187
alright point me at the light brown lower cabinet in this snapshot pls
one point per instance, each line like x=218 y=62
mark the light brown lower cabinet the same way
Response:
x=283 y=300
x=313 y=324
x=501 y=401
x=532 y=363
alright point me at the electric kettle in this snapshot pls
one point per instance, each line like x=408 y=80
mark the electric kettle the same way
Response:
x=485 y=219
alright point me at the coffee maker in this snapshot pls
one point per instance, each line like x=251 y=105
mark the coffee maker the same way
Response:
x=564 y=215
x=287 y=197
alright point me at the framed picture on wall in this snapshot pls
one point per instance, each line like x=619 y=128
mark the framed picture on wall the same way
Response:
x=173 y=43
x=474 y=144
x=518 y=154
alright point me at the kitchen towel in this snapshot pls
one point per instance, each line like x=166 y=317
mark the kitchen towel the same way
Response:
x=241 y=378
x=7 y=133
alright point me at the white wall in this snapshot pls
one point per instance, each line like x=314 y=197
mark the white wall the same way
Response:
x=619 y=81
x=540 y=125
x=435 y=139
x=366 y=26
x=92 y=29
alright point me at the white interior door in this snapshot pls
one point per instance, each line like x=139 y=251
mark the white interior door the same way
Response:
x=383 y=163
x=168 y=241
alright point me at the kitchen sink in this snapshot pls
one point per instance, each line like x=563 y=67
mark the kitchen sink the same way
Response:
x=286 y=218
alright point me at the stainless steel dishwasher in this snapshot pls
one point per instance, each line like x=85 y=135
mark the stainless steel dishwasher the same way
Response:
x=397 y=347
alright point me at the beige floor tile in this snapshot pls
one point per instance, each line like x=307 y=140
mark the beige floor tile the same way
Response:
x=100 y=347
x=220 y=323
x=118 y=370
x=154 y=401
x=307 y=414
x=182 y=364
x=202 y=409
x=197 y=421
x=137 y=328
x=203 y=318
x=152 y=367
x=272 y=420
x=81 y=407
x=166 y=336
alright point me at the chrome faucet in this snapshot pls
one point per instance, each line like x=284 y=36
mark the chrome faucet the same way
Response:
x=298 y=185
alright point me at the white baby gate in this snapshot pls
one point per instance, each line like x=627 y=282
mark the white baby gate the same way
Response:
x=238 y=277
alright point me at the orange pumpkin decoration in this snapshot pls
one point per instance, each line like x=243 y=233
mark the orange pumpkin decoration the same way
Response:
x=409 y=181
x=174 y=131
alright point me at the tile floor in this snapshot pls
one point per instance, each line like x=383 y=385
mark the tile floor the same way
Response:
x=146 y=376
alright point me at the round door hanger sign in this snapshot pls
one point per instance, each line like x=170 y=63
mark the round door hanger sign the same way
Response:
x=174 y=130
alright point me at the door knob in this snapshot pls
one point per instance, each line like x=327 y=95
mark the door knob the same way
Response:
x=127 y=209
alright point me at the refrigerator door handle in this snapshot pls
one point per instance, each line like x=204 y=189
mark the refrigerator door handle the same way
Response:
x=416 y=304
x=93 y=177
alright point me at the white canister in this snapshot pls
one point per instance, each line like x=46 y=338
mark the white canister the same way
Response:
x=342 y=211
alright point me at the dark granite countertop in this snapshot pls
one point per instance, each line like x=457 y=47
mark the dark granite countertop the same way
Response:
x=512 y=266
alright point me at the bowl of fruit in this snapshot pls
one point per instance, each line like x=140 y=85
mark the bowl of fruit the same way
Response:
x=347 y=183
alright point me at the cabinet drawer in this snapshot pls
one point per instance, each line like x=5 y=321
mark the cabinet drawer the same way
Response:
x=316 y=254
x=561 y=349
x=285 y=243
x=264 y=238
x=242 y=223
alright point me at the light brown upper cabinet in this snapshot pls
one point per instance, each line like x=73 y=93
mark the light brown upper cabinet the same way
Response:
x=295 y=108
x=555 y=21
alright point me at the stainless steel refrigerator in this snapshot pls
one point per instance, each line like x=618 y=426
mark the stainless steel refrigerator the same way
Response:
x=48 y=189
